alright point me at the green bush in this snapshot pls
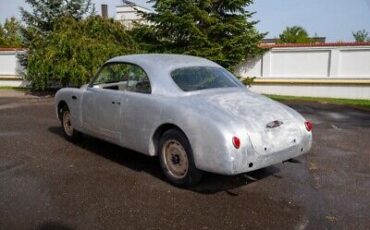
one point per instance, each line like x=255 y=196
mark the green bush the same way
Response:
x=248 y=81
x=73 y=51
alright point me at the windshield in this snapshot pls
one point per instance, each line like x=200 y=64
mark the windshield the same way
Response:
x=202 y=77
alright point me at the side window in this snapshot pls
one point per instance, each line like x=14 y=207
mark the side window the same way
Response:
x=123 y=76
x=138 y=81
x=112 y=76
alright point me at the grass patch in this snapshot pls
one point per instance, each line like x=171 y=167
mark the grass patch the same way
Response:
x=13 y=88
x=338 y=101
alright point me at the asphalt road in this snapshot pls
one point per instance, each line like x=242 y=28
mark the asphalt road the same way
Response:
x=47 y=182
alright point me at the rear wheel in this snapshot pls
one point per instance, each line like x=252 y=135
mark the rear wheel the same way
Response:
x=70 y=133
x=177 y=161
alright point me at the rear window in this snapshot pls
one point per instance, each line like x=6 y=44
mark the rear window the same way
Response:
x=198 y=78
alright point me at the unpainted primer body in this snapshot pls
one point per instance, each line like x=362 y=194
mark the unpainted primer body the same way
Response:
x=209 y=118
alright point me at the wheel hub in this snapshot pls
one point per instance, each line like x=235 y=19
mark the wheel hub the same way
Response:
x=175 y=159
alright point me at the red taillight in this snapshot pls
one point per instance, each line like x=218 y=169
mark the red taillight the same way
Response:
x=236 y=142
x=308 y=125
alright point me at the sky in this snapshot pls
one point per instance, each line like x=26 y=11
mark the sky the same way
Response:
x=333 y=19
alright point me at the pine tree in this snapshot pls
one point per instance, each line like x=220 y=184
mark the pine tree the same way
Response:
x=220 y=30
x=10 y=34
x=39 y=21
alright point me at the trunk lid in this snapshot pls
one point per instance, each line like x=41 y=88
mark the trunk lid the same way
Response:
x=270 y=125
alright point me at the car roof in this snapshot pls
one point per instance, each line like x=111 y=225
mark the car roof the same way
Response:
x=164 y=61
x=159 y=66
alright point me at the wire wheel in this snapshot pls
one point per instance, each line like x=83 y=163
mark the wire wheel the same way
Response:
x=175 y=159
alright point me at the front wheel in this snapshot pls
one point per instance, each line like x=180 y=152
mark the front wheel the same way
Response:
x=177 y=161
x=70 y=133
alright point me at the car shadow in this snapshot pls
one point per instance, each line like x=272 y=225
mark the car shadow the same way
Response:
x=214 y=183
x=210 y=184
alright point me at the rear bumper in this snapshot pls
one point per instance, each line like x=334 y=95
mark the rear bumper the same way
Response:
x=271 y=159
x=253 y=161
x=241 y=161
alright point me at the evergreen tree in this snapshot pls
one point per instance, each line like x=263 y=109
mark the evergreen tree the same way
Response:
x=39 y=21
x=73 y=51
x=220 y=30
x=10 y=34
x=67 y=44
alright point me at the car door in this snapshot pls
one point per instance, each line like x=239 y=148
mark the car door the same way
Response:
x=89 y=111
x=140 y=108
x=102 y=108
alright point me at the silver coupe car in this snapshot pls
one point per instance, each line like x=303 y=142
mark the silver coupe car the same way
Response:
x=189 y=111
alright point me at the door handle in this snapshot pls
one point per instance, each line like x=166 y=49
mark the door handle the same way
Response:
x=74 y=97
x=114 y=102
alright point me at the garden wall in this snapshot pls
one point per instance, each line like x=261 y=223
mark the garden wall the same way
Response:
x=318 y=70
x=10 y=69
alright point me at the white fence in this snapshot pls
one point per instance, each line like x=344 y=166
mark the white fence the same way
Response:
x=10 y=69
x=330 y=70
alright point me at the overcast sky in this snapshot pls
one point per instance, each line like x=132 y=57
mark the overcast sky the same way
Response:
x=334 y=19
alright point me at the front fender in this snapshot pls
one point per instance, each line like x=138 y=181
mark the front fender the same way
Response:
x=72 y=97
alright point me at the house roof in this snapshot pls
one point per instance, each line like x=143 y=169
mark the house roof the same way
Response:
x=328 y=44
x=133 y=5
x=276 y=40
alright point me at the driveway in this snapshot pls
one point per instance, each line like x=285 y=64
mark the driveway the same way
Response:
x=47 y=182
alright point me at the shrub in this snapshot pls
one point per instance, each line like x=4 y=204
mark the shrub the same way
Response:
x=73 y=51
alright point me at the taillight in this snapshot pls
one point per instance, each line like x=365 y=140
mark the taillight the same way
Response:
x=236 y=142
x=308 y=125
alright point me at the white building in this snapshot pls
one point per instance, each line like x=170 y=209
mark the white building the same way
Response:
x=127 y=14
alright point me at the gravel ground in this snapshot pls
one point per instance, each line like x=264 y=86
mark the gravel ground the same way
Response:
x=47 y=182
